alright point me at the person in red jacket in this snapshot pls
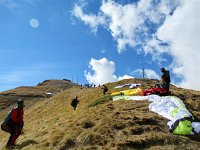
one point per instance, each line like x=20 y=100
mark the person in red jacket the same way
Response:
x=16 y=123
x=156 y=91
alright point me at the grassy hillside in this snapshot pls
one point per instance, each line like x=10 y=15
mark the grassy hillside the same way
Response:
x=100 y=123
x=30 y=93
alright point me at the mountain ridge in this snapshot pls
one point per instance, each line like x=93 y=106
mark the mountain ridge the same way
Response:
x=37 y=92
x=100 y=123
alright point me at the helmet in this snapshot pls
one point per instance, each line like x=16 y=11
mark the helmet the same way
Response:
x=20 y=102
x=162 y=69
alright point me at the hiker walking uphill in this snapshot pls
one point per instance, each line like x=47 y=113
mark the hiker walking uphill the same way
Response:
x=14 y=123
x=105 y=89
x=75 y=102
x=166 y=77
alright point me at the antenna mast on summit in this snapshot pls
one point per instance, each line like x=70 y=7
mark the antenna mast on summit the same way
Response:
x=77 y=80
x=144 y=74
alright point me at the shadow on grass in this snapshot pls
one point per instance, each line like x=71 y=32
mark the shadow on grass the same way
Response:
x=26 y=143
x=195 y=137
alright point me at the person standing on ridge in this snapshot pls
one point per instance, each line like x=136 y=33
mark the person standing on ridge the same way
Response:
x=166 y=76
x=14 y=123
x=105 y=89
x=75 y=102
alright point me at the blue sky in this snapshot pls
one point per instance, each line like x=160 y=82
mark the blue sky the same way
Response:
x=98 y=41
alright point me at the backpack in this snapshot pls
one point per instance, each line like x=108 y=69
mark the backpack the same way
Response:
x=4 y=125
x=7 y=118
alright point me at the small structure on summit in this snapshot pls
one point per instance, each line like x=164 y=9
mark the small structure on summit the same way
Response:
x=49 y=94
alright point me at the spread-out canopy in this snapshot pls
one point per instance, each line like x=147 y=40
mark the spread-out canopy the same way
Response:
x=137 y=91
x=172 y=108
x=131 y=85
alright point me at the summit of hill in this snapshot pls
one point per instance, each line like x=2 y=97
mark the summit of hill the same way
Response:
x=30 y=93
x=99 y=122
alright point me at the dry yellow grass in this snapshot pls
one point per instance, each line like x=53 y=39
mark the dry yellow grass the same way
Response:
x=53 y=124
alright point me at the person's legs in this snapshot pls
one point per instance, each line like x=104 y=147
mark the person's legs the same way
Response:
x=12 y=132
x=13 y=137
x=10 y=140
x=167 y=87
x=75 y=105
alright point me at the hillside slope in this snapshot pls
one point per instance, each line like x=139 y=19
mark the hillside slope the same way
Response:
x=30 y=93
x=100 y=123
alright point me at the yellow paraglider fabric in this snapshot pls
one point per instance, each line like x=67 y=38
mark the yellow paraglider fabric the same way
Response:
x=130 y=92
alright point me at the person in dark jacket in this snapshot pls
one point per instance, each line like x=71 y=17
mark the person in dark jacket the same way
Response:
x=15 y=123
x=161 y=84
x=105 y=89
x=166 y=77
x=75 y=102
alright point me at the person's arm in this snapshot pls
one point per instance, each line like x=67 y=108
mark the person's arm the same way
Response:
x=21 y=121
x=14 y=115
x=162 y=76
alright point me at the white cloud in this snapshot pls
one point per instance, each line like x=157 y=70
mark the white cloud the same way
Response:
x=152 y=74
x=103 y=72
x=127 y=23
x=166 y=6
x=92 y=20
x=125 y=77
x=182 y=31
x=149 y=73
x=146 y=10
x=161 y=27
x=34 y=23
x=123 y=20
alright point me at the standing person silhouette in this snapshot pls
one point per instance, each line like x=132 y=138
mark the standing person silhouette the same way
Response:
x=105 y=89
x=75 y=102
x=166 y=76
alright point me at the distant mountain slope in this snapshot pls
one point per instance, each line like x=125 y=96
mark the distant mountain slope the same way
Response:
x=100 y=123
x=34 y=92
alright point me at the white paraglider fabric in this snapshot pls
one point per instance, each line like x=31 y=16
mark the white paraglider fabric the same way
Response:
x=170 y=107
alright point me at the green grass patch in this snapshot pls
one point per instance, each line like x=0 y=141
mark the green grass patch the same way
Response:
x=101 y=100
